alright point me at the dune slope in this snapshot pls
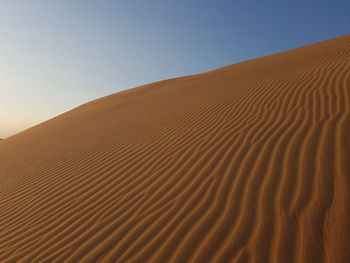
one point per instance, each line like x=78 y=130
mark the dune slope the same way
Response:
x=247 y=163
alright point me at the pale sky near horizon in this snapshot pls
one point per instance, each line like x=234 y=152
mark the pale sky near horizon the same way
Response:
x=58 y=54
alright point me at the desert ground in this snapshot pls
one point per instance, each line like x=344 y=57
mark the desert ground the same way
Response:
x=246 y=163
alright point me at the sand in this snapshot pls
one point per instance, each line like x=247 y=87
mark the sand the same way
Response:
x=246 y=163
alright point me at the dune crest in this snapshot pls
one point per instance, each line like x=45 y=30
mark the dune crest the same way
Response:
x=246 y=163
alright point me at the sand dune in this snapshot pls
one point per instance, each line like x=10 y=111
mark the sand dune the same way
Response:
x=246 y=163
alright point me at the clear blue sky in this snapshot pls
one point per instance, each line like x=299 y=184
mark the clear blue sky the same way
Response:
x=58 y=54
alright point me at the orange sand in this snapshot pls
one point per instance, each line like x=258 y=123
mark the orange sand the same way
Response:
x=247 y=163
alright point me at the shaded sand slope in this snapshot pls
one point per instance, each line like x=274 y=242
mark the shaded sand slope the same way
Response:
x=247 y=163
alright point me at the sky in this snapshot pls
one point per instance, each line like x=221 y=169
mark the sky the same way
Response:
x=58 y=54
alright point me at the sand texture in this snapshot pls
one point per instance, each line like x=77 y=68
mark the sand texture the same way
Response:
x=246 y=163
